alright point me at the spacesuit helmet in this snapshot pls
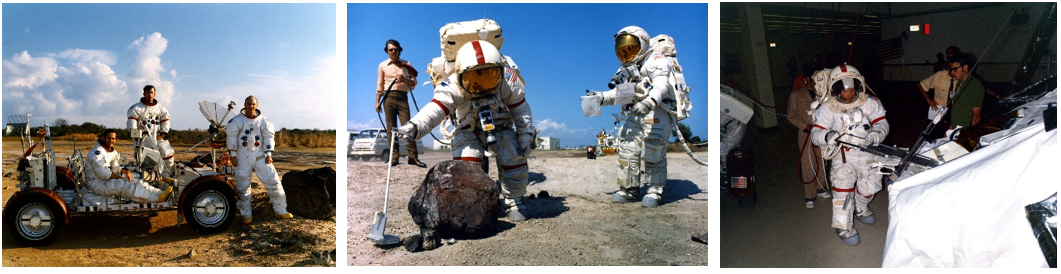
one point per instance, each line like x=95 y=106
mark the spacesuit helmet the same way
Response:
x=480 y=69
x=631 y=43
x=845 y=77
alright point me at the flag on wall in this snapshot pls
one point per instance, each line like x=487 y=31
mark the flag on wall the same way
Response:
x=890 y=49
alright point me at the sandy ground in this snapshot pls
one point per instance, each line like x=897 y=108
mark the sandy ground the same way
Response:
x=154 y=238
x=576 y=225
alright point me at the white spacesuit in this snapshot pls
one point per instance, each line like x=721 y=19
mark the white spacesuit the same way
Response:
x=250 y=141
x=643 y=87
x=104 y=167
x=487 y=99
x=151 y=119
x=855 y=117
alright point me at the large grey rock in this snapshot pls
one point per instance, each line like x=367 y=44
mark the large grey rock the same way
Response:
x=311 y=193
x=455 y=200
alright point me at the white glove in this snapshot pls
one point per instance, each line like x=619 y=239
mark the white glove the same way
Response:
x=407 y=131
x=525 y=142
x=875 y=137
x=831 y=137
x=644 y=106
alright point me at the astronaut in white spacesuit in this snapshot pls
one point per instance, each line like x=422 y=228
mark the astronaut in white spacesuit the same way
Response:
x=250 y=145
x=642 y=86
x=487 y=99
x=107 y=177
x=853 y=116
x=152 y=121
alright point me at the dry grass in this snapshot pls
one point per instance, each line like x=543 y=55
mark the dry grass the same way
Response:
x=286 y=138
x=78 y=136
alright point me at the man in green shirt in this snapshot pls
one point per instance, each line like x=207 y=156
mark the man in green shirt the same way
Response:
x=965 y=109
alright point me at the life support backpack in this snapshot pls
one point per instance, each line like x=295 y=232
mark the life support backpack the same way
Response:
x=682 y=108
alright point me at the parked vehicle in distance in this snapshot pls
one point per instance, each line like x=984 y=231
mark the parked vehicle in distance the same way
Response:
x=372 y=143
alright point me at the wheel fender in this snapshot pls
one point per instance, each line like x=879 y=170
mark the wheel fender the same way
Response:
x=38 y=193
x=207 y=180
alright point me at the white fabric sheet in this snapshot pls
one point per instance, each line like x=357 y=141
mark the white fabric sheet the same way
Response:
x=970 y=212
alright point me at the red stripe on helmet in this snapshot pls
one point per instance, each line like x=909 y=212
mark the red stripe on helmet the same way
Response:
x=843 y=68
x=478 y=52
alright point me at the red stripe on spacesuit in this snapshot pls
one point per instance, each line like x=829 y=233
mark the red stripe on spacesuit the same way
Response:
x=860 y=193
x=444 y=108
x=468 y=159
x=167 y=158
x=819 y=126
x=843 y=68
x=876 y=120
x=513 y=167
x=478 y=52
x=163 y=120
x=134 y=118
x=837 y=189
x=517 y=104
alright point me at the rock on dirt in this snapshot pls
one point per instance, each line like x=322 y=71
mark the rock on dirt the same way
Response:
x=311 y=193
x=456 y=200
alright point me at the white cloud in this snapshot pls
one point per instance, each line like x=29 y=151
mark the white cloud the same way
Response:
x=353 y=125
x=76 y=84
x=306 y=100
x=148 y=69
x=550 y=128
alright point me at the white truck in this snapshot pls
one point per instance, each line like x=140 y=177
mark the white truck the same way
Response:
x=372 y=143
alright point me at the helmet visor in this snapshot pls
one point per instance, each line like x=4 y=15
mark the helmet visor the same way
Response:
x=627 y=46
x=481 y=81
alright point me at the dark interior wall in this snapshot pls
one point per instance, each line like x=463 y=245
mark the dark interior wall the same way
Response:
x=802 y=37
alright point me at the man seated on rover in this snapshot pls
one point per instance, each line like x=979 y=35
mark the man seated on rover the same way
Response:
x=107 y=177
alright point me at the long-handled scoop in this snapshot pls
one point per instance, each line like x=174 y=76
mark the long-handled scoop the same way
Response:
x=375 y=233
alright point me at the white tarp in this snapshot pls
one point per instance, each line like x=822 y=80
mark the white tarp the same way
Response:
x=970 y=212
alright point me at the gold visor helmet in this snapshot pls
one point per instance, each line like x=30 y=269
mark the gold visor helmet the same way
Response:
x=480 y=68
x=627 y=47
x=482 y=80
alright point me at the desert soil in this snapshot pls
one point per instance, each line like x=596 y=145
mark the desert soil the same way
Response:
x=575 y=225
x=155 y=238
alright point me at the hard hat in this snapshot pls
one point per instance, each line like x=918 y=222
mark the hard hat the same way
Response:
x=480 y=68
x=631 y=43
x=844 y=77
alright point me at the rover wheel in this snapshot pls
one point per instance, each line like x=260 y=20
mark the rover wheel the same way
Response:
x=210 y=208
x=36 y=221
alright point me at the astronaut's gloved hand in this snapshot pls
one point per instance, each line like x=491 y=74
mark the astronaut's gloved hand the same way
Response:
x=526 y=140
x=875 y=137
x=407 y=131
x=831 y=137
x=644 y=106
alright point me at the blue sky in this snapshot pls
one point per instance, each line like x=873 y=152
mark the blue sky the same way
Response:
x=89 y=62
x=561 y=49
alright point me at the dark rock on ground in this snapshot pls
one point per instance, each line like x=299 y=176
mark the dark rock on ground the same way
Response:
x=455 y=200
x=311 y=193
x=701 y=238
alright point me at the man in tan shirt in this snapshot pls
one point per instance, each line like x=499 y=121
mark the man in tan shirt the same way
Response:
x=394 y=80
x=811 y=170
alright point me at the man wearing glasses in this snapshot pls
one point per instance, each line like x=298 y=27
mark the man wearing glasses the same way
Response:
x=395 y=79
x=968 y=101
